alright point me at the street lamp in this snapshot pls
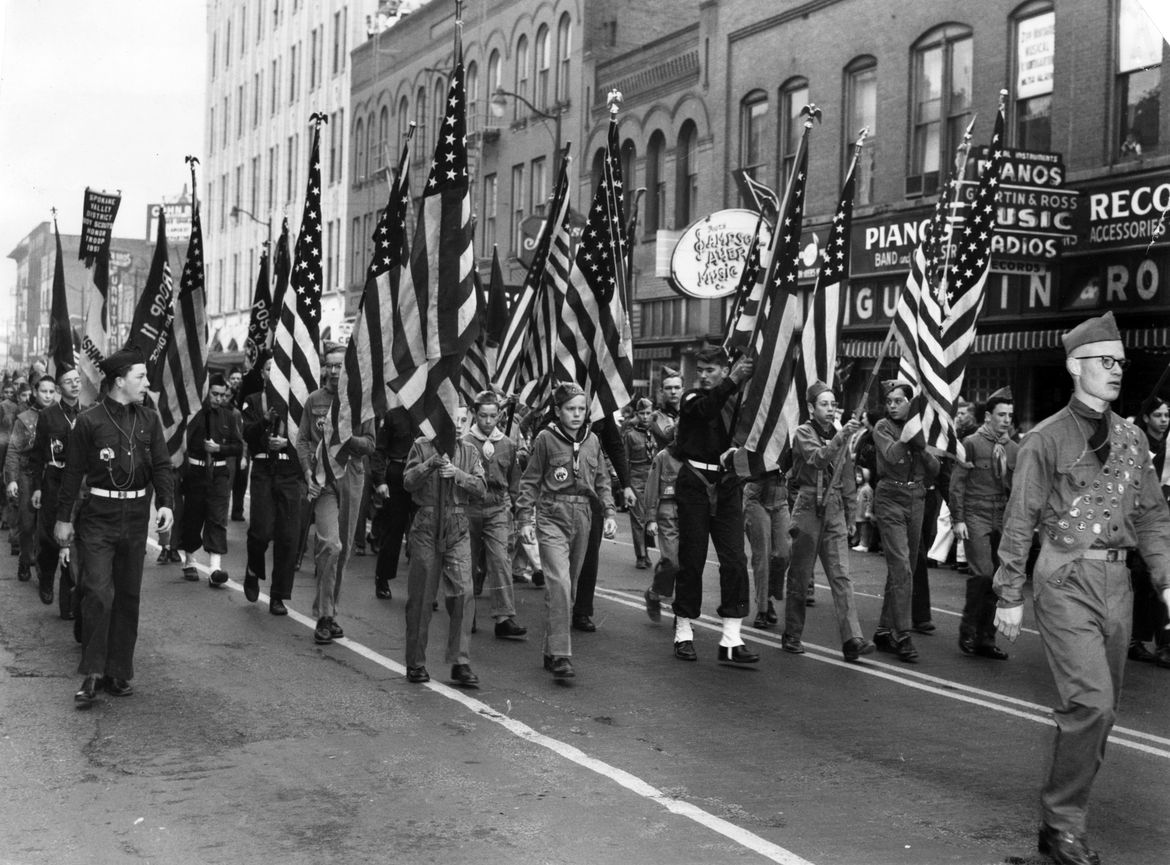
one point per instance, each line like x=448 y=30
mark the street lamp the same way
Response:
x=499 y=106
x=238 y=211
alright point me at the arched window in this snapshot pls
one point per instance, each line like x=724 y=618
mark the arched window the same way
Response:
x=522 y=73
x=656 y=182
x=440 y=107
x=471 y=93
x=375 y=160
x=385 y=146
x=941 y=104
x=495 y=81
x=564 y=44
x=403 y=120
x=359 y=157
x=420 y=120
x=861 y=113
x=629 y=154
x=793 y=97
x=686 y=172
x=753 y=116
x=543 y=67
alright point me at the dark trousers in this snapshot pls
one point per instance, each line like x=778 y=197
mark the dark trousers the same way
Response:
x=1149 y=613
x=239 y=488
x=984 y=527
x=920 y=587
x=587 y=579
x=111 y=541
x=48 y=552
x=723 y=525
x=205 y=509
x=275 y=517
x=898 y=511
x=391 y=525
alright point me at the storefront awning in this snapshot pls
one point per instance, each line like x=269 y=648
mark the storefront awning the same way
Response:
x=1020 y=340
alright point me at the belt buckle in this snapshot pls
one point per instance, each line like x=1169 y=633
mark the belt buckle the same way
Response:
x=1111 y=555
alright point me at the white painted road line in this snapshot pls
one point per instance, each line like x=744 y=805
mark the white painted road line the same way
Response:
x=737 y=834
x=948 y=688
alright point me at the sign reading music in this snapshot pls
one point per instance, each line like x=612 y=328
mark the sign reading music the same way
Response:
x=709 y=257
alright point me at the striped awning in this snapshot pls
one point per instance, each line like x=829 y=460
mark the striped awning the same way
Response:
x=1019 y=340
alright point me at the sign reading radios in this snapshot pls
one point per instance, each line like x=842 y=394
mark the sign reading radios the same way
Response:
x=97 y=223
x=709 y=257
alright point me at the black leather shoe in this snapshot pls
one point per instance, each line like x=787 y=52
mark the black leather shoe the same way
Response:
x=1163 y=656
x=175 y=556
x=761 y=622
x=561 y=668
x=1065 y=848
x=382 y=590
x=884 y=642
x=584 y=623
x=116 y=687
x=854 y=648
x=67 y=615
x=991 y=651
x=461 y=675
x=507 y=629
x=23 y=573
x=924 y=627
x=905 y=650
x=642 y=564
x=276 y=607
x=164 y=556
x=685 y=651
x=810 y=600
x=1137 y=650
x=653 y=605
x=771 y=614
x=738 y=655
x=335 y=629
x=217 y=577
x=417 y=675
x=792 y=644
x=321 y=635
x=967 y=645
x=46 y=594
x=85 y=697
x=190 y=575
x=251 y=587
x=538 y=578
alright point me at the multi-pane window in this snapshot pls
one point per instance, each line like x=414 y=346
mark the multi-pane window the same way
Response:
x=226 y=123
x=254 y=198
x=273 y=158
x=517 y=208
x=564 y=42
x=403 y=120
x=420 y=121
x=686 y=199
x=291 y=173
x=793 y=97
x=471 y=85
x=495 y=81
x=333 y=131
x=240 y=103
x=521 y=77
x=491 y=195
x=329 y=255
x=235 y=295
x=338 y=40
x=359 y=157
x=373 y=152
x=629 y=156
x=257 y=91
x=214 y=53
x=227 y=45
x=243 y=29
x=543 y=66
x=238 y=197
x=1035 y=61
x=223 y=199
x=862 y=114
x=356 y=274
x=274 y=86
x=314 y=55
x=1139 y=79
x=753 y=118
x=941 y=104
x=383 y=155
x=656 y=182
x=294 y=57
x=539 y=186
x=211 y=131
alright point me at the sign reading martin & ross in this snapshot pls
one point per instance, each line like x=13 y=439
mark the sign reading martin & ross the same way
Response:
x=97 y=223
x=709 y=257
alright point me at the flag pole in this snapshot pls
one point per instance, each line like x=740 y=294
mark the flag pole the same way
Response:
x=742 y=290
x=961 y=154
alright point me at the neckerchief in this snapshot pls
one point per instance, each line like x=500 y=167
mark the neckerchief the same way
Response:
x=564 y=435
x=1098 y=439
x=486 y=445
x=999 y=464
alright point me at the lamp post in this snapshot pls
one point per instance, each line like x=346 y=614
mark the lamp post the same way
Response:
x=499 y=105
x=239 y=211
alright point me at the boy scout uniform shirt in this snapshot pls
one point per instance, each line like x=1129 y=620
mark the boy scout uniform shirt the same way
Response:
x=312 y=429
x=53 y=429
x=422 y=480
x=660 y=482
x=815 y=455
x=980 y=485
x=116 y=447
x=552 y=469
x=24 y=433
x=662 y=424
x=1078 y=502
x=501 y=471
x=896 y=460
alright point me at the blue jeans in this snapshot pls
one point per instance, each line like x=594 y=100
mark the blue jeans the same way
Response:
x=898 y=510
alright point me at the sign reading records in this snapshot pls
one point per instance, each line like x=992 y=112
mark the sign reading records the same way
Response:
x=709 y=257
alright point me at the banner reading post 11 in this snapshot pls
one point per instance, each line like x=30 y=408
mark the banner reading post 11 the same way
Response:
x=97 y=223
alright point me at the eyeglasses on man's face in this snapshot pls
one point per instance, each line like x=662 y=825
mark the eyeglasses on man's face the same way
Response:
x=1107 y=361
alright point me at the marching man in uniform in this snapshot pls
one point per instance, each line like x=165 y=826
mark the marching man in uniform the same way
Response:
x=1085 y=480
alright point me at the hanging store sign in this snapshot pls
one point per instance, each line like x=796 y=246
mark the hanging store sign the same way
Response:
x=1124 y=214
x=709 y=257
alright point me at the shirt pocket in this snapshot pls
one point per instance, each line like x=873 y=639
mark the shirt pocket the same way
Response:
x=559 y=474
x=142 y=442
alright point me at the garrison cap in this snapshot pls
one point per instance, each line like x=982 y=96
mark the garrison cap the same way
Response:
x=815 y=390
x=1100 y=329
x=565 y=391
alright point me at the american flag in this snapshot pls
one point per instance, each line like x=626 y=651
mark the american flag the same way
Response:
x=949 y=292
x=296 y=365
x=593 y=347
x=282 y=266
x=479 y=364
x=60 y=333
x=822 y=326
x=151 y=326
x=761 y=426
x=368 y=366
x=440 y=275
x=526 y=349
x=184 y=374
x=749 y=292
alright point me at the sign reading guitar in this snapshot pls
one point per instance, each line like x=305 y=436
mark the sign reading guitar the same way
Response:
x=709 y=257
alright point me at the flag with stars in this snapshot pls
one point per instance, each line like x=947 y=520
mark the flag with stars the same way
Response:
x=749 y=292
x=593 y=346
x=479 y=364
x=363 y=380
x=439 y=279
x=950 y=295
x=296 y=363
x=826 y=313
x=762 y=428
x=184 y=373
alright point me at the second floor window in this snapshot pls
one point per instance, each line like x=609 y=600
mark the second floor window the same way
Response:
x=543 y=67
x=862 y=114
x=490 y=209
x=752 y=135
x=521 y=77
x=1139 y=79
x=656 y=182
x=941 y=105
x=793 y=97
x=1035 y=54
x=686 y=197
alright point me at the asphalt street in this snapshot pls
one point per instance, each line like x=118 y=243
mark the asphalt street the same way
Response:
x=245 y=742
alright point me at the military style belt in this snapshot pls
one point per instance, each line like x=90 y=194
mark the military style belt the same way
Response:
x=900 y=483
x=1113 y=554
x=264 y=456
x=569 y=497
x=214 y=463
x=707 y=467
x=116 y=494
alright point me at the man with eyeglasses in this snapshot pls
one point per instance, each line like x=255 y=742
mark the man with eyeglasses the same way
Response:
x=214 y=438
x=1084 y=479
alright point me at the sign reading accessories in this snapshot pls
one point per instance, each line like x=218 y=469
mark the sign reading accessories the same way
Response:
x=1124 y=214
x=709 y=257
